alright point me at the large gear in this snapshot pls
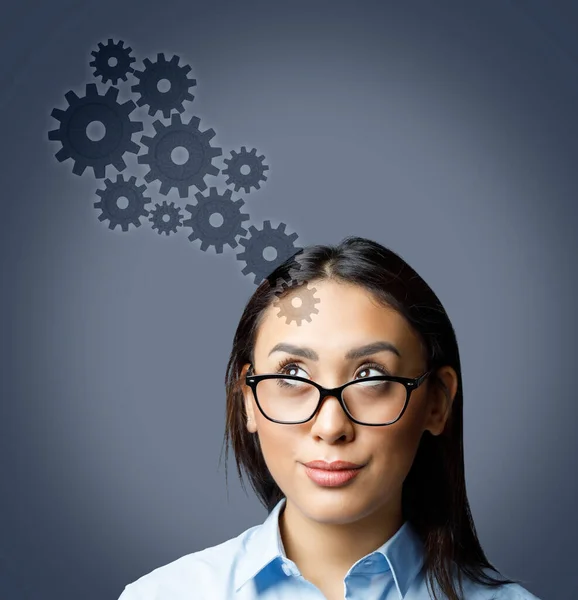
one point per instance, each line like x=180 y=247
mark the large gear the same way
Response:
x=175 y=96
x=194 y=169
x=158 y=215
x=249 y=159
x=75 y=142
x=109 y=206
x=287 y=308
x=102 y=57
x=230 y=228
x=258 y=242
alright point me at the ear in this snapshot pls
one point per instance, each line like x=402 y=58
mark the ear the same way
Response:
x=248 y=401
x=440 y=403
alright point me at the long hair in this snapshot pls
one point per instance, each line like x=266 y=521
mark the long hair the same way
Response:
x=434 y=496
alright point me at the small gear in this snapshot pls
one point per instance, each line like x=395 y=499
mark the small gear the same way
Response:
x=102 y=57
x=109 y=206
x=288 y=272
x=177 y=93
x=230 y=228
x=306 y=307
x=258 y=242
x=197 y=165
x=75 y=142
x=249 y=159
x=161 y=224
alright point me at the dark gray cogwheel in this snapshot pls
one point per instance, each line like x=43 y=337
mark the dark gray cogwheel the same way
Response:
x=256 y=169
x=75 y=142
x=289 y=272
x=194 y=169
x=258 y=242
x=122 y=216
x=306 y=302
x=171 y=99
x=120 y=69
x=227 y=231
x=161 y=224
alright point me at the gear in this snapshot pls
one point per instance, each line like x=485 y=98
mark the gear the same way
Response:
x=102 y=66
x=259 y=241
x=122 y=216
x=159 y=222
x=251 y=160
x=175 y=96
x=304 y=310
x=194 y=169
x=75 y=142
x=230 y=228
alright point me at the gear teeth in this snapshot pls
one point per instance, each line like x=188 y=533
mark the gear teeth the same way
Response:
x=256 y=166
x=72 y=131
x=200 y=155
x=157 y=218
x=71 y=97
x=171 y=100
x=122 y=216
x=256 y=243
x=230 y=228
x=285 y=304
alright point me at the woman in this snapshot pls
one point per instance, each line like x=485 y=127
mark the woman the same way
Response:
x=307 y=380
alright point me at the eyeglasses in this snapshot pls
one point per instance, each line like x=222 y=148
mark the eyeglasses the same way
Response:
x=291 y=400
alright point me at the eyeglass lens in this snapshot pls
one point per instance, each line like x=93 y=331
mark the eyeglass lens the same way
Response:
x=372 y=402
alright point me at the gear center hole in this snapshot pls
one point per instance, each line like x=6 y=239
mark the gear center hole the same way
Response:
x=95 y=131
x=296 y=302
x=166 y=218
x=179 y=155
x=245 y=169
x=122 y=202
x=216 y=219
x=269 y=253
x=163 y=86
x=112 y=61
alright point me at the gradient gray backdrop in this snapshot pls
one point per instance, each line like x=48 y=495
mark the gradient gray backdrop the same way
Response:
x=444 y=131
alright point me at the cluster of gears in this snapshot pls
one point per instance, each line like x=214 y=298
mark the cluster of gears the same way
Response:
x=180 y=156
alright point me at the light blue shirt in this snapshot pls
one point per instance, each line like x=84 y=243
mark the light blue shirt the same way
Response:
x=254 y=566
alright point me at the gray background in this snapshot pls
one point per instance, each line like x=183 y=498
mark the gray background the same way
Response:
x=444 y=131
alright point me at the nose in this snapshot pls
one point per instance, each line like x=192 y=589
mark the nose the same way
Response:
x=331 y=422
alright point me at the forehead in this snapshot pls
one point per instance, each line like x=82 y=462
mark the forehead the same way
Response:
x=348 y=316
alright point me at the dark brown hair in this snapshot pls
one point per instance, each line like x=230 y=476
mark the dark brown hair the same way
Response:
x=434 y=496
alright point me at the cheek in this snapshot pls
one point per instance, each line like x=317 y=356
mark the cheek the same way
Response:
x=277 y=445
x=394 y=451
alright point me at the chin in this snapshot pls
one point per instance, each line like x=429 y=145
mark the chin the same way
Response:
x=330 y=506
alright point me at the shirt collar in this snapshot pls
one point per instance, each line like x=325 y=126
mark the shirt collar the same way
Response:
x=403 y=552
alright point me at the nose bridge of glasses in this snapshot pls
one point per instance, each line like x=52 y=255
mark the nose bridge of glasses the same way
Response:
x=331 y=393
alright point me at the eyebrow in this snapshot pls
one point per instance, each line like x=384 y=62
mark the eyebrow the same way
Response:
x=359 y=352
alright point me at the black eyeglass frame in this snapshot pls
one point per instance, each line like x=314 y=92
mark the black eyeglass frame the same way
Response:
x=409 y=383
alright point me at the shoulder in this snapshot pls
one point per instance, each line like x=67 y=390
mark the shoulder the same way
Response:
x=472 y=590
x=510 y=591
x=208 y=570
x=507 y=591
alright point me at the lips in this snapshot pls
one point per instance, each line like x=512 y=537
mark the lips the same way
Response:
x=331 y=478
x=337 y=465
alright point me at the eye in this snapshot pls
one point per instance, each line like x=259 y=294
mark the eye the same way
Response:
x=287 y=367
x=381 y=370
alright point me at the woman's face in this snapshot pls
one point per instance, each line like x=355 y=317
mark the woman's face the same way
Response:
x=348 y=318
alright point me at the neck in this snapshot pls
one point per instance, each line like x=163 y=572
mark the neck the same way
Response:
x=331 y=548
